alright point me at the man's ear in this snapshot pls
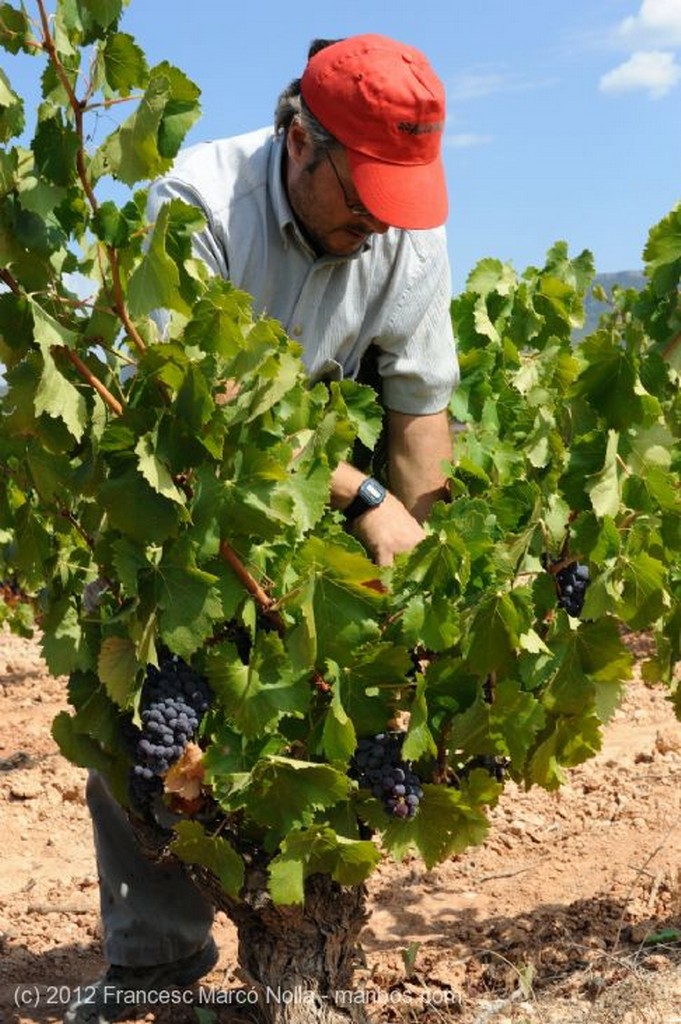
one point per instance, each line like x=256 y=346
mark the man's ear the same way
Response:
x=297 y=143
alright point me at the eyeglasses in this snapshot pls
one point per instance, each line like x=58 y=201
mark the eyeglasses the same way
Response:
x=356 y=208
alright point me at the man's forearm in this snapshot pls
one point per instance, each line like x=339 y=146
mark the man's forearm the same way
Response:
x=419 y=445
x=345 y=483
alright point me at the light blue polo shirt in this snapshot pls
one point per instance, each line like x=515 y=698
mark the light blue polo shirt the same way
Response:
x=395 y=292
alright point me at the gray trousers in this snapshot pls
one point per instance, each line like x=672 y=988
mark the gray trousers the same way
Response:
x=151 y=913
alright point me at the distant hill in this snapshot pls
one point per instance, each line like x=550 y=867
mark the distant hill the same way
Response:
x=594 y=309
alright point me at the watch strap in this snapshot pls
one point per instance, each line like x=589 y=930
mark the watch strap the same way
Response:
x=369 y=495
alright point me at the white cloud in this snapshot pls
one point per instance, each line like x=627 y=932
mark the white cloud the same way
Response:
x=658 y=23
x=473 y=85
x=465 y=140
x=652 y=71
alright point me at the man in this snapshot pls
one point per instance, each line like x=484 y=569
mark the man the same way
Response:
x=333 y=224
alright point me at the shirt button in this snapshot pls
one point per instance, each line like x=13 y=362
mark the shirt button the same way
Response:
x=298 y=330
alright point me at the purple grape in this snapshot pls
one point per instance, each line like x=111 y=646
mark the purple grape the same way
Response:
x=378 y=766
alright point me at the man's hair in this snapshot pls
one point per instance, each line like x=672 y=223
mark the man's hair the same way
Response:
x=291 y=104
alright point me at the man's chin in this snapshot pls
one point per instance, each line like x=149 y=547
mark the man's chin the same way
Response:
x=345 y=243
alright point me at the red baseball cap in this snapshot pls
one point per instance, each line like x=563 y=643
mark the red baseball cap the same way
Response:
x=382 y=100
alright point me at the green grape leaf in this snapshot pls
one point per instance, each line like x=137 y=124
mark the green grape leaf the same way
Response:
x=194 y=846
x=287 y=880
x=15 y=29
x=155 y=520
x=87 y=20
x=189 y=602
x=438 y=562
x=255 y=696
x=507 y=726
x=48 y=331
x=308 y=487
x=433 y=622
x=603 y=487
x=340 y=602
x=146 y=144
x=284 y=793
x=609 y=382
x=11 y=110
x=117 y=667
x=364 y=410
x=16 y=328
x=573 y=740
x=111 y=225
x=155 y=282
x=318 y=850
x=125 y=65
x=370 y=683
x=644 y=596
x=55 y=146
x=96 y=714
x=58 y=397
x=339 y=738
x=494 y=633
x=154 y=471
x=50 y=472
x=447 y=821
x=78 y=747
x=663 y=252
x=64 y=644
x=419 y=740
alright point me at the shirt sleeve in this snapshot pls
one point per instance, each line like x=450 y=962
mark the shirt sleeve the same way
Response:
x=417 y=353
x=205 y=243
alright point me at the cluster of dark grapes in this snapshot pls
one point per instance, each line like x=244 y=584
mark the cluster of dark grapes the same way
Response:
x=377 y=765
x=571 y=583
x=174 y=700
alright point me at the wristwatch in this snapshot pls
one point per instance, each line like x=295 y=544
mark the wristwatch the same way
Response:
x=370 y=494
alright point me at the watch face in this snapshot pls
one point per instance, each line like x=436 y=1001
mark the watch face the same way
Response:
x=369 y=494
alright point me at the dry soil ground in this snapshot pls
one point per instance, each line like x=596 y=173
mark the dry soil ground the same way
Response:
x=570 y=912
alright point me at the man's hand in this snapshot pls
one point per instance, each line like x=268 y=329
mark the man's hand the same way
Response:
x=387 y=530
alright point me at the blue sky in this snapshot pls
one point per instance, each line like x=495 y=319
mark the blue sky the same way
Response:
x=564 y=118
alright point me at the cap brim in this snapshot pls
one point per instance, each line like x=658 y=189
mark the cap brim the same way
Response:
x=411 y=196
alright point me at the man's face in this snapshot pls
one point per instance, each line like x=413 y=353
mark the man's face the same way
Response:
x=321 y=192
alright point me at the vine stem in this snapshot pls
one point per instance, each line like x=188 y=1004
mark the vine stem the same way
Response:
x=68 y=515
x=92 y=380
x=78 y=109
x=263 y=599
x=10 y=281
x=105 y=104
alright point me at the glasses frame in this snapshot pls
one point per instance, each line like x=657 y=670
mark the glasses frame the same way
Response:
x=356 y=208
